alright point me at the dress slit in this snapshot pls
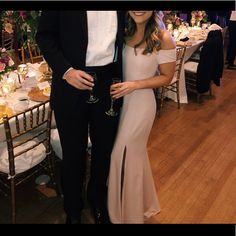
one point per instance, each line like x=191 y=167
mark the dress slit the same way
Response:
x=122 y=174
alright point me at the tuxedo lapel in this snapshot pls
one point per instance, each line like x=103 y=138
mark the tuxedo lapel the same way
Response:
x=84 y=26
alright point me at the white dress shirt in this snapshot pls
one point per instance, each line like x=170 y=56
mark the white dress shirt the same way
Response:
x=233 y=16
x=102 y=30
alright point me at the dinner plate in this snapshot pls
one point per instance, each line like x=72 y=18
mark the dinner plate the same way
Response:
x=37 y=95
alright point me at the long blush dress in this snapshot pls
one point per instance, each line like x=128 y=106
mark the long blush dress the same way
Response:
x=132 y=196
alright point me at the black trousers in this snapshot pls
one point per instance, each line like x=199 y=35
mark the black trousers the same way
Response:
x=231 y=51
x=73 y=122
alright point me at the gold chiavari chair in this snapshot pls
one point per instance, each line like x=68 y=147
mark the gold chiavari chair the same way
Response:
x=21 y=56
x=28 y=150
x=7 y=40
x=34 y=53
x=201 y=74
x=174 y=84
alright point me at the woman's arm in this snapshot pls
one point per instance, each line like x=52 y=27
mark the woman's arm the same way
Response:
x=166 y=70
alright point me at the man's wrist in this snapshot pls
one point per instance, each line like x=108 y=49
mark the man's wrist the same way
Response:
x=64 y=75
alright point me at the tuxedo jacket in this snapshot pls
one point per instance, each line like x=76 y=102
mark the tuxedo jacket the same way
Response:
x=63 y=38
x=211 y=64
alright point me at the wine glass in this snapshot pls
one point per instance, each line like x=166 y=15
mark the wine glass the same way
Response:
x=111 y=111
x=6 y=87
x=22 y=69
x=92 y=99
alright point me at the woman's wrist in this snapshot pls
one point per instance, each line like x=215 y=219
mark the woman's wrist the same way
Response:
x=136 y=85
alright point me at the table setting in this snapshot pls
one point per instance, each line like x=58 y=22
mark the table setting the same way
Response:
x=24 y=87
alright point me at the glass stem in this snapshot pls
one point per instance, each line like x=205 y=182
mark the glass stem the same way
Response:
x=91 y=93
x=112 y=101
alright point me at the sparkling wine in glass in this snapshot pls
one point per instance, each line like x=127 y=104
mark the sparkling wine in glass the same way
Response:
x=22 y=69
x=92 y=99
x=111 y=111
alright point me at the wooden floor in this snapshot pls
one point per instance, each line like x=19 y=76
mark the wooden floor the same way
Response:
x=193 y=158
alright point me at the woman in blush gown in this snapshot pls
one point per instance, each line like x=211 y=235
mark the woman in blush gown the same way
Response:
x=149 y=62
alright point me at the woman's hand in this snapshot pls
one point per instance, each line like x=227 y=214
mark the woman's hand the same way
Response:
x=121 y=89
x=79 y=79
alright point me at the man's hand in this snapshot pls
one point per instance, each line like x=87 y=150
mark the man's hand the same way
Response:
x=79 y=79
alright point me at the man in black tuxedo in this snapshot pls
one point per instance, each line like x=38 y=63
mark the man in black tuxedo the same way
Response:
x=74 y=43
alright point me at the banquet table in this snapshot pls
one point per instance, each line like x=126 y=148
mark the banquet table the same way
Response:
x=13 y=102
x=13 y=98
x=197 y=37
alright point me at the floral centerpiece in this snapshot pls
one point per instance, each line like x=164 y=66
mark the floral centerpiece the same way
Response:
x=22 y=23
x=6 y=62
x=198 y=17
x=171 y=20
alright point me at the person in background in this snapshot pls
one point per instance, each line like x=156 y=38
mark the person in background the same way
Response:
x=148 y=48
x=231 y=50
x=77 y=44
x=221 y=18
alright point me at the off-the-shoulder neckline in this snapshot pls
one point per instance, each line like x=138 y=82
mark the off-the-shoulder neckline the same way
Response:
x=159 y=50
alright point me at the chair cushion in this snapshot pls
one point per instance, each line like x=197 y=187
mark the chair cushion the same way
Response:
x=191 y=66
x=25 y=161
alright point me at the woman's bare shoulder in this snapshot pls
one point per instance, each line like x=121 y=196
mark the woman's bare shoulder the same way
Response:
x=167 y=41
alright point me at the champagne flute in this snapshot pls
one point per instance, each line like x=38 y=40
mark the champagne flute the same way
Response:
x=92 y=99
x=22 y=69
x=111 y=111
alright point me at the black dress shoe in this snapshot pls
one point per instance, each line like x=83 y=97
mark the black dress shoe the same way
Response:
x=101 y=216
x=73 y=221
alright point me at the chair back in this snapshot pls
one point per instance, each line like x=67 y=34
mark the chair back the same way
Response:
x=173 y=86
x=34 y=53
x=21 y=56
x=7 y=40
x=180 y=53
x=31 y=127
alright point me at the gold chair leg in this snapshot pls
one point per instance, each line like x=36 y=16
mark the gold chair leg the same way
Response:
x=51 y=165
x=177 y=90
x=162 y=99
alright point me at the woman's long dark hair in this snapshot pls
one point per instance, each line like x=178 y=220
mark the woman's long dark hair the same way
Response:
x=151 y=32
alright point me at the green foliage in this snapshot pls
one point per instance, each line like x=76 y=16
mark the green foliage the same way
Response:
x=23 y=23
